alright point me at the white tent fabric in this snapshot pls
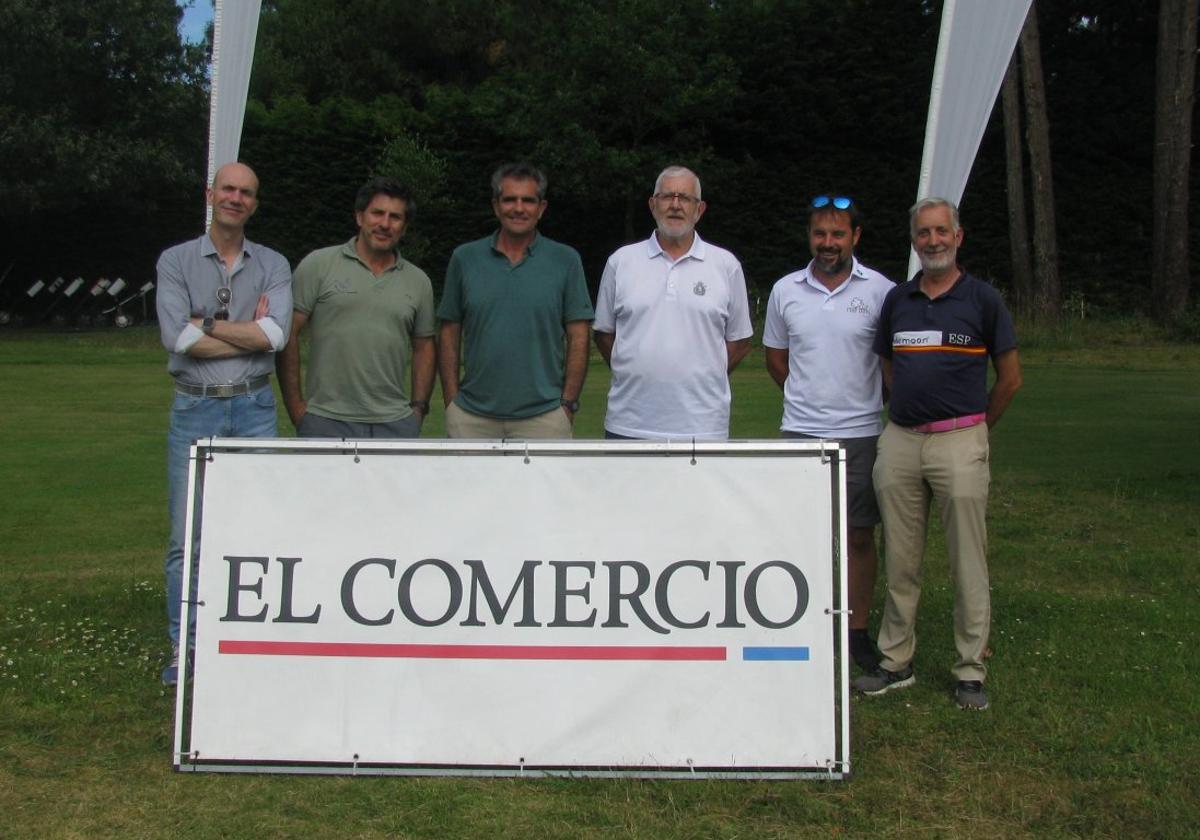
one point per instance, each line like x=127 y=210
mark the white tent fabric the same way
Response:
x=235 y=28
x=976 y=42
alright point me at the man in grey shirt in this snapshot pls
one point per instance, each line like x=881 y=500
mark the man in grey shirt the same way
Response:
x=224 y=308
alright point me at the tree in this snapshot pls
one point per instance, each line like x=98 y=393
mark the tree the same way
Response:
x=361 y=49
x=1018 y=220
x=1174 y=102
x=773 y=101
x=1047 y=294
x=607 y=100
x=102 y=115
x=97 y=97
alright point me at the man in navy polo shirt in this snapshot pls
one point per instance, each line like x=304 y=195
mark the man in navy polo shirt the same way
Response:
x=935 y=336
x=819 y=335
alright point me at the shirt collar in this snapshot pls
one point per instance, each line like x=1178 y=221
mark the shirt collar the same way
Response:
x=698 y=250
x=807 y=277
x=208 y=248
x=351 y=252
x=529 y=249
x=955 y=291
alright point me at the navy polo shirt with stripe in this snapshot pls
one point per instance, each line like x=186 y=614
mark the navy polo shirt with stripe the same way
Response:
x=939 y=348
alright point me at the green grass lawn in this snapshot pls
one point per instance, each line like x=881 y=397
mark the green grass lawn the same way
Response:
x=1095 y=565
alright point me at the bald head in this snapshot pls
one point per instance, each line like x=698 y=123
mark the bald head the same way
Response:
x=234 y=170
x=233 y=196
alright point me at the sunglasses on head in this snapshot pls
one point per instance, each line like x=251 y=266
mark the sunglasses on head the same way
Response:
x=840 y=202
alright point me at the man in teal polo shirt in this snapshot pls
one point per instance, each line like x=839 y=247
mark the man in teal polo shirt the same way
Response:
x=516 y=311
x=369 y=310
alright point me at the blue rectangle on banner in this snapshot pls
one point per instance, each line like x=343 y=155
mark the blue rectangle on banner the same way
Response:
x=771 y=654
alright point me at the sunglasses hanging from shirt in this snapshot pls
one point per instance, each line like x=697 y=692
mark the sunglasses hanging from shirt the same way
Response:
x=224 y=295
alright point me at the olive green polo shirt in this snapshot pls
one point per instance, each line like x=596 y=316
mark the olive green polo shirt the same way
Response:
x=361 y=330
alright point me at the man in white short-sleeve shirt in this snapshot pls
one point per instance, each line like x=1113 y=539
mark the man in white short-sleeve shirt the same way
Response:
x=818 y=336
x=672 y=321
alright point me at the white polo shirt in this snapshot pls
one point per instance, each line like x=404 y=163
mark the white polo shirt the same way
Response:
x=834 y=388
x=671 y=321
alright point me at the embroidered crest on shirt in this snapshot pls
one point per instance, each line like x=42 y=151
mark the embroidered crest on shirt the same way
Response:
x=699 y=288
x=859 y=305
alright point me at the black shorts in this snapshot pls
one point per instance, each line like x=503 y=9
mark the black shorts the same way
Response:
x=861 y=508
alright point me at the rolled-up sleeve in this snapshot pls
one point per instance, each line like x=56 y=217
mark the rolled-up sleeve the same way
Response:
x=277 y=323
x=173 y=303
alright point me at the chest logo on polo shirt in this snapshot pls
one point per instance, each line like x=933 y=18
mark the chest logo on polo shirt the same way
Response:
x=699 y=288
x=916 y=338
x=922 y=341
x=859 y=305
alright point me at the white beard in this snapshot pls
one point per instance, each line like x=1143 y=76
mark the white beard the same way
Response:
x=938 y=262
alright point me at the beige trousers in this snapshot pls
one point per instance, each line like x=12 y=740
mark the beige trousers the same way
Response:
x=552 y=425
x=952 y=469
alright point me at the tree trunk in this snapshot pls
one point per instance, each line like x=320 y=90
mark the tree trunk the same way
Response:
x=1176 y=71
x=1018 y=223
x=1047 y=294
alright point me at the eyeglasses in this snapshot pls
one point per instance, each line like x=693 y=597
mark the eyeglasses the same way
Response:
x=224 y=295
x=840 y=202
x=671 y=198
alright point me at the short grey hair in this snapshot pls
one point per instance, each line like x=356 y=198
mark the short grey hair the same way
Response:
x=674 y=172
x=521 y=172
x=925 y=204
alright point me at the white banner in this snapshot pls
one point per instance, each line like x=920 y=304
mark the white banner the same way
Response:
x=585 y=608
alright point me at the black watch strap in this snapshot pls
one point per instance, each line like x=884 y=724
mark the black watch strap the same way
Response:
x=570 y=405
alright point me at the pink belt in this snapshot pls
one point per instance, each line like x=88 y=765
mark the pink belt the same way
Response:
x=964 y=422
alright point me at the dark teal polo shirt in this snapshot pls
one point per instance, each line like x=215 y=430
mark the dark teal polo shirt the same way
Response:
x=513 y=322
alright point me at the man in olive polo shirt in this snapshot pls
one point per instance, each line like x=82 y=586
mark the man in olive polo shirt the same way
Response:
x=516 y=306
x=369 y=309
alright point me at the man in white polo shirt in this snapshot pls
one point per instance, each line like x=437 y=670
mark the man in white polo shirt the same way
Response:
x=672 y=321
x=818 y=336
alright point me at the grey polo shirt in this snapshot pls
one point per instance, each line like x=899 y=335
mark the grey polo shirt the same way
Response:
x=189 y=275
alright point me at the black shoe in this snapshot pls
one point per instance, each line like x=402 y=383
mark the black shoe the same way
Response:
x=971 y=696
x=881 y=680
x=863 y=651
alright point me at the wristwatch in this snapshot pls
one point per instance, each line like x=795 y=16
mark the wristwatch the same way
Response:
x=422 y=405
x=207 y=324
x=570 y=405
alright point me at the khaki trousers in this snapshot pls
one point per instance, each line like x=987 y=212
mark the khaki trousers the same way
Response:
x=552 y=425
x=952 y=469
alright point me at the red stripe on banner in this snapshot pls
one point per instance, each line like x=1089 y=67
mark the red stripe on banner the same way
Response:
x=353 y=649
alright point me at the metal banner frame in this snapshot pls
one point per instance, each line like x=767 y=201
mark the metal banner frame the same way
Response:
x=283 y=681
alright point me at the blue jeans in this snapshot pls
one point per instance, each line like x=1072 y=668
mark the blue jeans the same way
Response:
x=193 y=418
